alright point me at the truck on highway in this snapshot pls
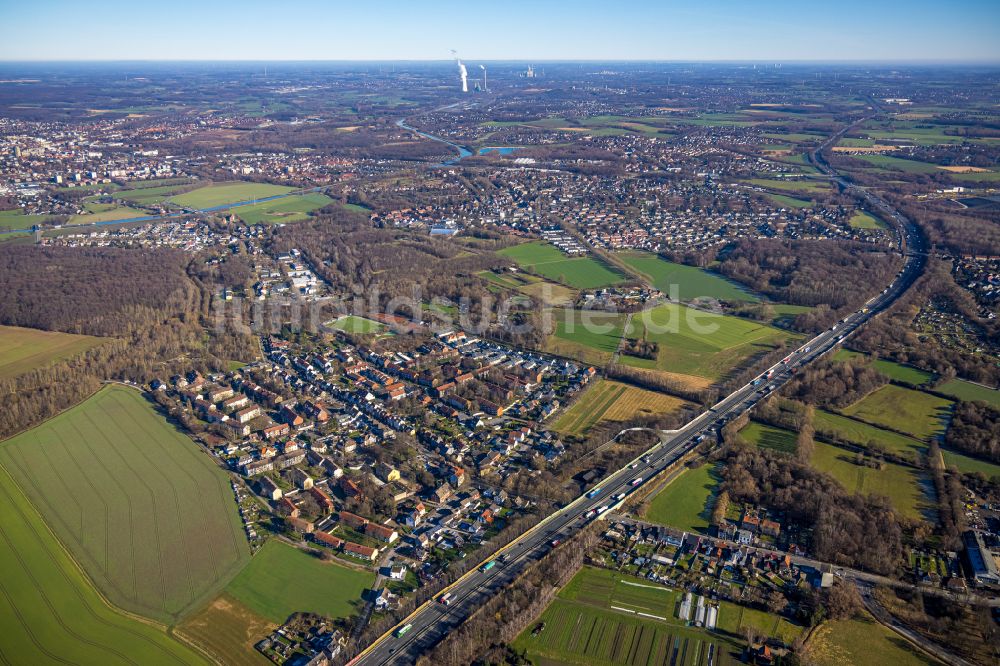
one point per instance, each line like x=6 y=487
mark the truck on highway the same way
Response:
x=445 y=599
x=489 y=565
x=594 y=493
x=637 y=481
x=402 y=630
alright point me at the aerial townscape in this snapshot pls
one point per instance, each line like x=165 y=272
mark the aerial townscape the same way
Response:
x=500 y=335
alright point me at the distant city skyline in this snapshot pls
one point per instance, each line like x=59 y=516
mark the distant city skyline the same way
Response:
x=685 y=30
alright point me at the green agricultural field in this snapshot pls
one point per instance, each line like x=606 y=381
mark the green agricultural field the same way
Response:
x=548 y=261
x=786 y=311
x=289 y=209
x=703 y=344
x=227 y=630
x=281 y=579
x=49 y=611
x=596 y=620
x=970 y=392
x=686 y=502
x=150 y=517
x=607 y=400
x=789 y=202
x=923 y=136
x=863 y=220
x=904 y=486
x=969 y=465
x=24 y=349
x=978 y=177
x=353 y=324
x=897 y=372
x=588 y=335
x=840 y=427
x=119 y=213
x=228 y=193
x=16 y=219
x=904 y=410
x=898 y=164
x=804 y=186
x=769 y=437
x=148 y=196
x=862 y=642
x=689 y=282
x=549 y=293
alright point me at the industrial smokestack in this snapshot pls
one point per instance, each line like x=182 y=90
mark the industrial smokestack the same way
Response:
x=483 y=67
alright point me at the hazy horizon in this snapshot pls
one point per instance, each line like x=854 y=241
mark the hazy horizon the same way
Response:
x=589 y=31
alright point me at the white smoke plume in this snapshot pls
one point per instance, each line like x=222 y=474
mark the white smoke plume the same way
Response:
x=462 y=72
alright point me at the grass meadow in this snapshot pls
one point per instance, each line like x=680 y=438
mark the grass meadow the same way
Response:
x=281 y=579
x=686 y=502
x=912 y=412
x=697 y=343
x=689 y=281
x=222 y=194
x=584 y=272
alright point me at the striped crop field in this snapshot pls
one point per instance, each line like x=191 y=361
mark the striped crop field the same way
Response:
x=150 y=518
x=49 y=611
x=613 y=401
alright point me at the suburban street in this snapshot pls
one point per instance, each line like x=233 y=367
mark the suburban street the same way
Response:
x=430 y=622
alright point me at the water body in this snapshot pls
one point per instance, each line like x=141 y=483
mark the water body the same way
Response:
x=501 y=150
x=462 y=151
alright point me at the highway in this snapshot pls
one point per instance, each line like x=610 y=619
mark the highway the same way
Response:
x=430 y=622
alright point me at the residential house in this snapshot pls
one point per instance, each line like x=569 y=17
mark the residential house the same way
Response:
x=328 y=539
x=300 y=478
x=300 y=525
x=286 y=507
x=247 y=415
x=276 y=430
x=381 y=532
x=353 y=520
x=442 y=493
x=269 y=489
x=361 y=552
x=349 y=488
x=386 y=472
x=326 y=505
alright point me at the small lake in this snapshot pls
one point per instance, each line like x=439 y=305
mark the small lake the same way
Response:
x=502 y=150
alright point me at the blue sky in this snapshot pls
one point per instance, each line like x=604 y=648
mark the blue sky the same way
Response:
x=509 y=30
